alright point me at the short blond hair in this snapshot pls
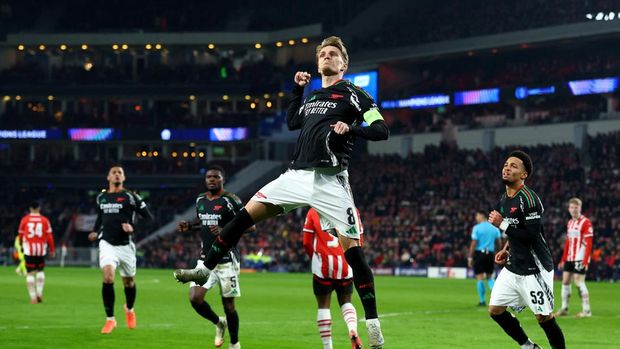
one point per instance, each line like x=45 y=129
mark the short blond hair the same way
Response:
x=575 y=201
x=336 y=42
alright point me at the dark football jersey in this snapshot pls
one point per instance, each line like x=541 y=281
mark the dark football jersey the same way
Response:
x=114 y=209
x=528 y=249
x=317 y=145
x=219 y=210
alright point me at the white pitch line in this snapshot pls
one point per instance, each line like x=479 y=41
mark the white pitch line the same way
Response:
x=259 y=323
x=26 y=327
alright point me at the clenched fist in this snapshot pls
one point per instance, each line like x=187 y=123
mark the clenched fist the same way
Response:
x=302 y=78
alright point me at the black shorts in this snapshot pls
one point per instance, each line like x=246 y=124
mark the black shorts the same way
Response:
x=484 y=262
x=34 y=263
x=570 y=267
x=326 y=286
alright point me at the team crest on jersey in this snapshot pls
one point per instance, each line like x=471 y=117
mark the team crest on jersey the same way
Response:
x=513 y=209
x=336 y=96
x=217 y=207
x=120 y=199
x=201 y=208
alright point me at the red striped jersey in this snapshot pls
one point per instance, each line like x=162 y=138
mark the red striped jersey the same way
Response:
x=35 y=232
x=578 y=244
x=328 y=261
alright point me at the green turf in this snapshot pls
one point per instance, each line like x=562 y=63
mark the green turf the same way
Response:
x=276 y=311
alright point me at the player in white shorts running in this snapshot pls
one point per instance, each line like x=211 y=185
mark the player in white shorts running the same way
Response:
x=527 y=278
x=117 y=208
x=330 y=120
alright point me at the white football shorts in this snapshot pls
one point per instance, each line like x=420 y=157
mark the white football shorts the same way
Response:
x=121 y=257
x=226 y=275
x=519 y=291
x=329 y=194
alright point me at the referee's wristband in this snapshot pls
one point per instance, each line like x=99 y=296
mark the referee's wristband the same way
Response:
x=503 y=226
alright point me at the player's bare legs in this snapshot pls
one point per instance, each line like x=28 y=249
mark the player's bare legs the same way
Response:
x=365 y=286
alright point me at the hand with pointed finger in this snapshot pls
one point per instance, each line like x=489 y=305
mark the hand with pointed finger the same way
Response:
x=340 y=128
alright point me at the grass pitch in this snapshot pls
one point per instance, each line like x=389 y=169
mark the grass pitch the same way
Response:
x=276 y=311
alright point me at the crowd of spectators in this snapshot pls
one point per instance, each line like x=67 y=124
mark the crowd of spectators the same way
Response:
x=419 y=211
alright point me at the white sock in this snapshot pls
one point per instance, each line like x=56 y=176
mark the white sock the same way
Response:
x=528 y=345
x=30 y=284
x=40 y=283
x=350 y=316
x=565 y=296
x=585 y=297
x=324 y=322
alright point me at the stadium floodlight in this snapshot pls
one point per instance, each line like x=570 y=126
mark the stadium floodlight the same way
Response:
x=115 y=47
x=258 y=45
x=211 y=46
x=304 y=40
x=165 y=135
x=148 y=46
x=18 y=98
x=599 y=16
x=612 y=15
x=21 y=47
x=125 y=46
x=63 y=47
x=279 y=44
x=84 y=47
x=291 y=42
x=589 y=16
x=42 y=47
